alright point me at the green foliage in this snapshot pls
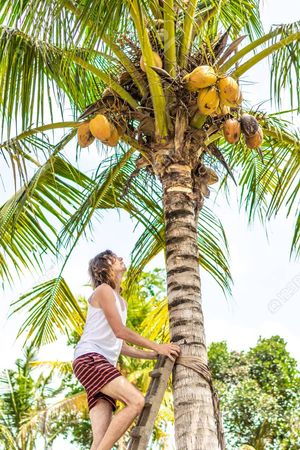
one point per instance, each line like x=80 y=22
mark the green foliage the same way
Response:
x=259 y=392
x=21 y=397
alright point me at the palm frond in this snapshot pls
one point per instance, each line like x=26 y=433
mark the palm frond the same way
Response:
x=271 y=183
x=251 y=47
x=20 y=148
x=30 y=219
x=284 y=51
x=32 y=16
x=187 y=31
x=61 y=367
x=236 y=16
x=32 y=70
x=285 y=68
x=76 y=402
x=212 y=243
x=110 y=45
x=155 y=86
x=52 y=308
x=100 y=194
x=156 y=324
x=241 y=16
x=7 y=438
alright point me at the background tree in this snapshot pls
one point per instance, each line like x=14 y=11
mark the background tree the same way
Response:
x=259 y=391
x=92 y=52
x=21 y=396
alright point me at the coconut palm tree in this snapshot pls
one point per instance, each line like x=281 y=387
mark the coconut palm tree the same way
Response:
x=89 y=53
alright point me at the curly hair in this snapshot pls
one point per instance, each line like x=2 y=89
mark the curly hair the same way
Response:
x=100 y=270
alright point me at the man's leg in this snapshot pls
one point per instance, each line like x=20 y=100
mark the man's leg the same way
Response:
x=100 y=415
x=121 y=389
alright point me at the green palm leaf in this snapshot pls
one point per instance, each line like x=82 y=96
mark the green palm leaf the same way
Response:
x=212 y=243
x=143 y=203
x=51 y=306
x=30 y=218
x=270 y=184
x=29 y=66
x=7 y=439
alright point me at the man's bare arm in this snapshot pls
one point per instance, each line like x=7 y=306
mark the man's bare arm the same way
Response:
x=127 y=350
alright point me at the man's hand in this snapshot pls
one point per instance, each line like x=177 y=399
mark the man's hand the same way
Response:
x=171 y=350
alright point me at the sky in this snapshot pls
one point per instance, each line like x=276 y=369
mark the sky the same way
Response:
x=266 y=292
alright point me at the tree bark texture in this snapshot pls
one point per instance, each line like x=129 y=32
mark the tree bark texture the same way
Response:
x=195 y=425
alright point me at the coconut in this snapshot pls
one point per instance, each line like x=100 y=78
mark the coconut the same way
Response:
x=208 y=100
x=232 y=130
x=249 y=125
x=100 y=127
x=229 y=91
x=157 y=61
x=114 y=137
x=255 y=140
x=84 y=135
x=201 y=77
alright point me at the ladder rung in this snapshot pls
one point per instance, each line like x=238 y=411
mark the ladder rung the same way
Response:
x=149 y=400
x=137 y=431
x=155 y=373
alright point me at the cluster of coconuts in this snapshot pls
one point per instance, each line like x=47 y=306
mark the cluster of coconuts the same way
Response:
x=250 y=128
x=100 y=128
x=215 y=94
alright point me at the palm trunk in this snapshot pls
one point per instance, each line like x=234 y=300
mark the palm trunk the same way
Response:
x=195 y=426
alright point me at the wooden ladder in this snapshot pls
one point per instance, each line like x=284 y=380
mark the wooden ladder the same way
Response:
x=160 y=375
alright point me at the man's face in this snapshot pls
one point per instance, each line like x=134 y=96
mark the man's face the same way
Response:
x=119 y=264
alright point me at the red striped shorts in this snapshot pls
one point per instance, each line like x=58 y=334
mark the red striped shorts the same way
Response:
x=94 y=371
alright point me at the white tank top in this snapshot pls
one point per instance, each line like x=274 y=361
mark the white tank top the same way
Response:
x=98 y=335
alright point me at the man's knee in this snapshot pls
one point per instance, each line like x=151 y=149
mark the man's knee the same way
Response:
x=138 y=403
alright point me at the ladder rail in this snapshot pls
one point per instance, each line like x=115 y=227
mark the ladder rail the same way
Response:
x=141 y=433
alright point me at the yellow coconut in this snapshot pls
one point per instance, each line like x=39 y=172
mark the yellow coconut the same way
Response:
x=208 y=100
x=232 y=130
x=157 y=61
x=201 y=77
x=229 y=91
x=84 y=135
x=114 y=137
x=100 y=127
